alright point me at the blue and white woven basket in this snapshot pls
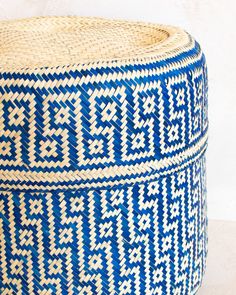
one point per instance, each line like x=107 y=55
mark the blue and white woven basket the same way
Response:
x=102 y=158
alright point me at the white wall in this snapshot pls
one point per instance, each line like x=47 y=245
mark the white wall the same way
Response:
x=213 y=23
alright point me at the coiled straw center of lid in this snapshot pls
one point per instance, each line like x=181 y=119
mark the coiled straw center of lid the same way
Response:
x=59 y=41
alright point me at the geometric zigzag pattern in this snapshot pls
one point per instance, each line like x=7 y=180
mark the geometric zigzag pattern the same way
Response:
x=102 y=163
x=147 y=238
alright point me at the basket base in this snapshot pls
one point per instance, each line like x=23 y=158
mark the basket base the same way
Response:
x=149 y=238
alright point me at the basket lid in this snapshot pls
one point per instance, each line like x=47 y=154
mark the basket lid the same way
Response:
x=89 y=102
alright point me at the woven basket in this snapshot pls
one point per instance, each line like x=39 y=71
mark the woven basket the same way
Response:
x=102 y=167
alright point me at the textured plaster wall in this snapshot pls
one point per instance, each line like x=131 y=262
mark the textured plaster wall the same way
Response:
x=213 y=24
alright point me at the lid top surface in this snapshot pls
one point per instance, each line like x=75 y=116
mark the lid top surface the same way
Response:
x=59 y=41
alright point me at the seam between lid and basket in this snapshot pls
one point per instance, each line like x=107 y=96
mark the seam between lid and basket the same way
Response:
x=11 y=181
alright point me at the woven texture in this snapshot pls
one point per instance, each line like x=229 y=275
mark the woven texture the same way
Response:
x=102 y=158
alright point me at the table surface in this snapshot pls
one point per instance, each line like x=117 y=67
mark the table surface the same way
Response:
x=220 y=277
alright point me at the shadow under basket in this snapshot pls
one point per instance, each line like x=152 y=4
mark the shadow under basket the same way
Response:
x=102 y=158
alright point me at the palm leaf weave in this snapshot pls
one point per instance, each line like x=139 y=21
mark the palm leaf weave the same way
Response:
x=103 y=132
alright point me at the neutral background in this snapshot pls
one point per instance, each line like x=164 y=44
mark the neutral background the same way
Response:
x=213 y=24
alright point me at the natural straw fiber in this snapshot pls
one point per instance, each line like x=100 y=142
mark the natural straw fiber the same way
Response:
x=103 y=132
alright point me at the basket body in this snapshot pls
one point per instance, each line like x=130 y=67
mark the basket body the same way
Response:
x=102 y=177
